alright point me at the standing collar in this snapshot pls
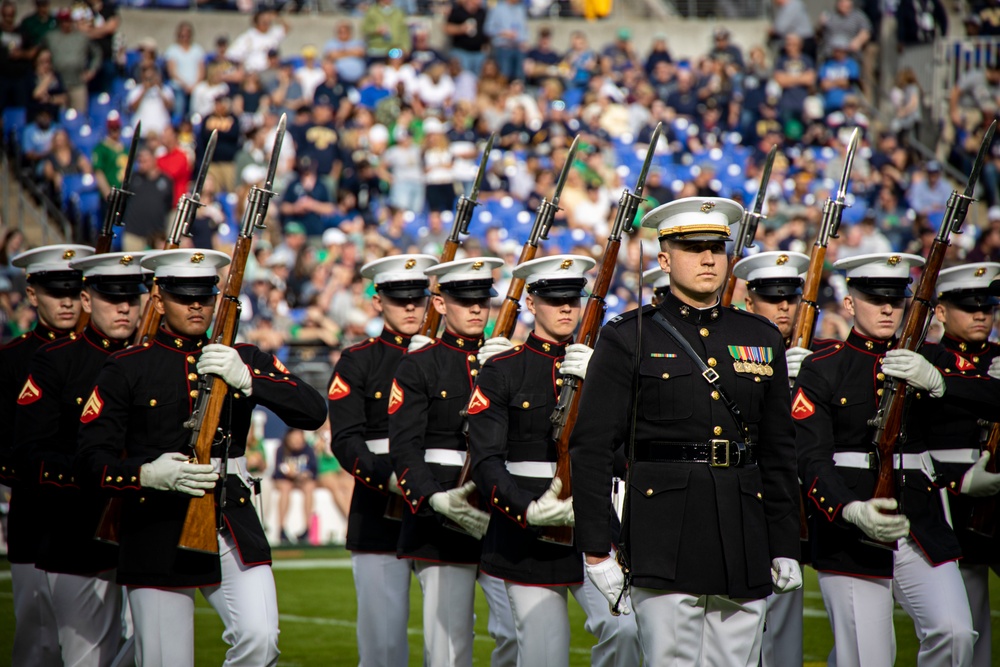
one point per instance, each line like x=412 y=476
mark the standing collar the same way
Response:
x=179 y=343
x=870 y=345
x=102 y=342
x=452 y=339
x=547 y=347
x=959 y=345
x=47 y=333
x=674 y=306
x=392 y=338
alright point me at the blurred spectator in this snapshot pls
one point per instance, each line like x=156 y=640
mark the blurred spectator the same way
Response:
x=723 y=50
x=185 y=63
x=795 y=72
x=683 y=99
x=347 y=52
x=399 y=76
x=579 y=63
x=319 y=138
x=384 y=28
x=74 y=58
x=208 y=218
x=37 y=137
x=332 y=477
x=863 y=238
x=541 y=61
x=920 y=21
x=839 y=74
x=507 y=29
x=229 y=142
x=152 y=199
x=394 y=231
x=890 y=215
x=15 y=58
x=930 y=193
x=150 y=101
x=148 y=57
x=101 y=22
x=251 y=102
x=403 y=169
x=295 y=467
x=334 y=95
x=438 y=173
x=47 y=90
x=287 y=94
x=307 y=201
x=310 y=74
x=907 y=103
x=464 y=25
x=435 y=89
x=847 y=25
x=423 y=54
x=974 y=91
x=658 y=53
x=174 y=161
x=986 y=15
x=792 y=18
x=63 y=160
x=250 y=49
x=987 y=248
x=36 y=25
x=110 y=156
x=205 y=91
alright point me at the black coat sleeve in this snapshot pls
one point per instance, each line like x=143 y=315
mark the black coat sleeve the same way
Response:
x=407 y=428
x=294 y=401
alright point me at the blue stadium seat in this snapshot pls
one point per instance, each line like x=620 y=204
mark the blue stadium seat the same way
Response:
x=85 y=139
x=73 y=121
x=100 y=106
x=14 y=120
x=173 y=4
x=86 y=206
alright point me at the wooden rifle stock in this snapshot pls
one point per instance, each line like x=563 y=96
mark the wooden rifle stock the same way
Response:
x=199 y=531
x=983 y=520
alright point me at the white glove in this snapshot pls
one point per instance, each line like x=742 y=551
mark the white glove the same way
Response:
x=576 y=360
x=607 y=577
x=493 y=347
x=994 y=371
x=173 y=472
x=454 y=504
x=786 y=574
x=548 y=510
x=867 y=515
x=226 y=362
x=418 y=341
x=910 y=366
x=977 y=482
x=794 y=356
x=394 y=484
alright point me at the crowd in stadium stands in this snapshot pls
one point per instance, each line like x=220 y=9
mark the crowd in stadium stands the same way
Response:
x=386 y=132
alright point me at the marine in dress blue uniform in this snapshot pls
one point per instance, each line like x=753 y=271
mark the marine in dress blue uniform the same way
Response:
x=54 y=291
x=514 y=460
x=79 y=570
x=358 y=398
x=711 y=522
x=427 y=447
x=837 y=392
x=133 y=444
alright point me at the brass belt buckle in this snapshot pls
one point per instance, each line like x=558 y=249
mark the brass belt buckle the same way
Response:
x=713 y=453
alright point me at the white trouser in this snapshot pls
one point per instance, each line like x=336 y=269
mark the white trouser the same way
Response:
x=977 y=587
x=704 y=630
x=449 y=593
x=88 y=612
x=500 y=624
x=860 y=611
x=382 y=584
x=782 y=643
x=246 y=602
x=36 y=633
x=541 y=619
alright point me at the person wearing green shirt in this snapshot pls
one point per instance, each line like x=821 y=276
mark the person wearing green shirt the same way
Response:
x=384 y=28
x=35 y=26
x=110 y=157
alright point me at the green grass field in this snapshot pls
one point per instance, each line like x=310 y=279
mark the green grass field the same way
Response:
x=316 y=600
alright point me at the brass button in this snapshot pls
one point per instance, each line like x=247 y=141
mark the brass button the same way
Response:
x=649 y=492
x=558 y=364
x=142 y=499
x=665 y=376
x=45 y=475
x=417 y=502
x=506 y=509
x=880 y=392
x=256 y=371
x=358 y=471
x=242 y=501
x=975 y=360
x=178 y=342
x=518 y=517
x=108 y=479
x=79 y=400
x=703 y=332
x=444 y=394
x=843 y=401
x=756 y=378
x=368 y=479
x=880 y=376
x=471 y=357
x=715 y=396
x=152 y=402
x=236 y=394
x=190 y=359
x=380 y=487
x=822 y=499
x=192 y=376
x=133 y=478
x=496 y=501
x=402 y=481
x=59 y=477
x=378 y=394
x=760 y=496
x=474 y=372
x=407 y=492
x=525 y=404
x=193 y=393
x=830 y=510
x=717 y=430
x=399 y=340
x=118 y=479
x=559 y=382
x=712 y=362
x=271 y=374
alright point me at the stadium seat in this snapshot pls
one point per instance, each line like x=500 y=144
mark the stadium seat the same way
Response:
x=85 y=139
x=14 y=120
x=72 y=121
x=86 y=208
x=172 y=4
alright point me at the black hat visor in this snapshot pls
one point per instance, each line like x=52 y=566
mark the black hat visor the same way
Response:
x=890 y=288
x=776 y=287
x=558 y=288
x=972 y=299
x=404 y=289
x=469 y=289
x=116 y=285
x=189 y=286
x=58 y=281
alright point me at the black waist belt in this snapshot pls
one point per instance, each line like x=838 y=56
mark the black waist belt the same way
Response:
x=716 y=453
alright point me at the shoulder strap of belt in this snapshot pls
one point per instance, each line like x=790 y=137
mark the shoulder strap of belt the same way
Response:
x=711 y=377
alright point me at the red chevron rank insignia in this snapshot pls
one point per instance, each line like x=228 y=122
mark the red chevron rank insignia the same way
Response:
x=280 y=366
x=93 y=407
x=338 y=388
x=478 y=402
x=802 y=407
x=395 y=398
x=29 y=393
x=963 y=364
